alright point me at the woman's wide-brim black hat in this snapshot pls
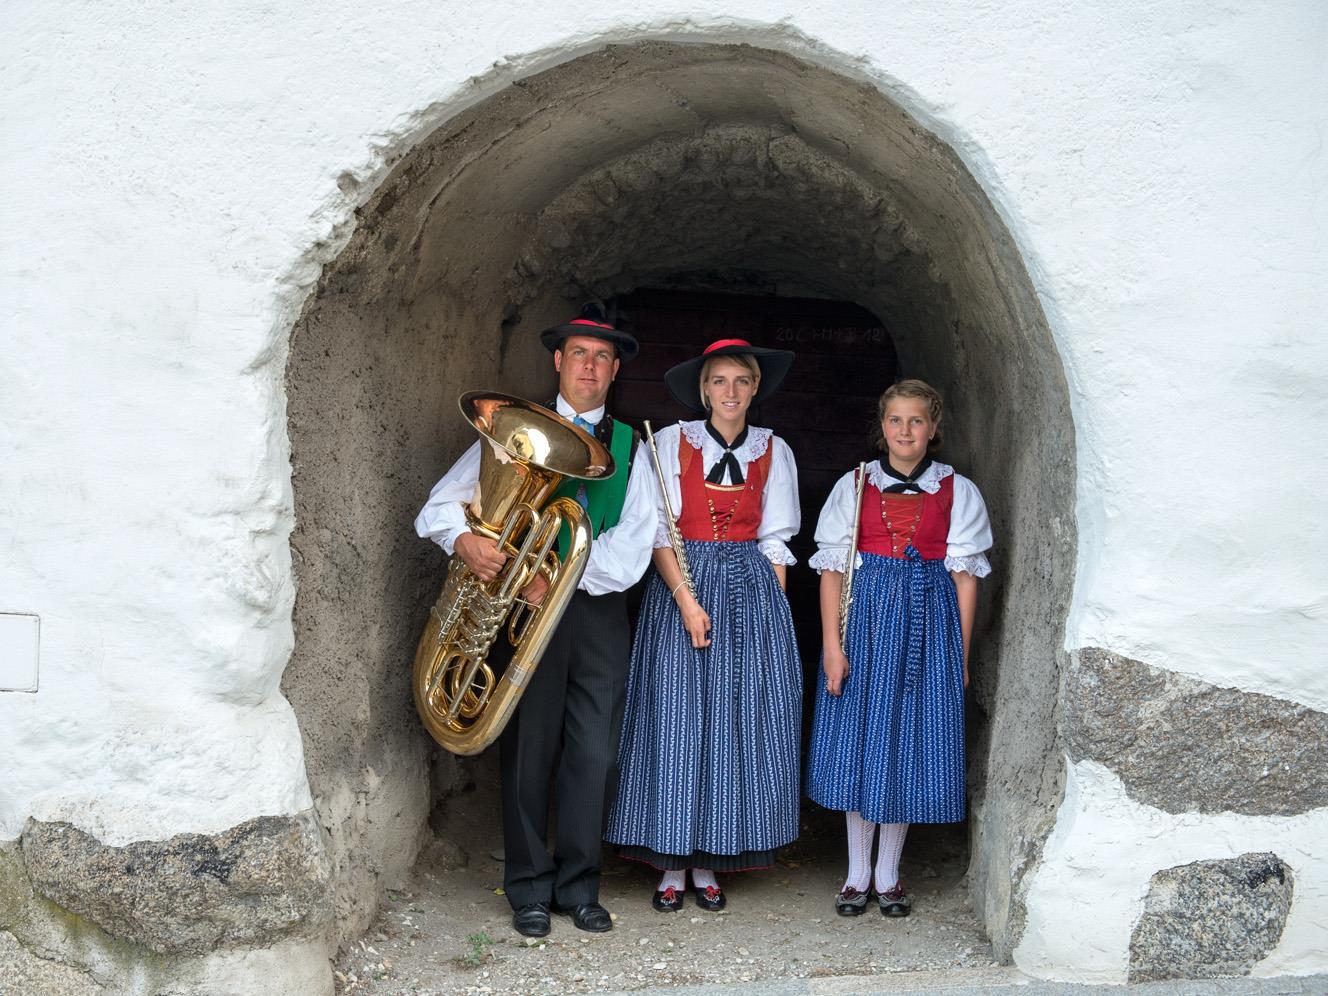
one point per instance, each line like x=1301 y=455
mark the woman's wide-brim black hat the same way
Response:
x=684 y=380
x=591 y=323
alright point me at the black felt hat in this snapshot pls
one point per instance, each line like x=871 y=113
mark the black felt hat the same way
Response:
x=684 y=380
x=591 y=323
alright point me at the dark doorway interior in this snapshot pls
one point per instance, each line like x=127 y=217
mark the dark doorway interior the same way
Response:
x=824 y=410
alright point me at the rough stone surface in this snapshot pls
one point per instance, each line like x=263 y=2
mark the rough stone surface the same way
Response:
x=1187 y=746
x=651 y=164
x=15 y=889
x=1211 y=918
x=23 y=973
x=260 y=881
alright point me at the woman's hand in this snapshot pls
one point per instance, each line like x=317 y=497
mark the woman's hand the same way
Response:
x=694 y=618
x=835 y=665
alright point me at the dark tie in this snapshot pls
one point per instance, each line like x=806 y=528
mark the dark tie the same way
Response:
x=902 y=483
x=582 y=498
x=727 y=461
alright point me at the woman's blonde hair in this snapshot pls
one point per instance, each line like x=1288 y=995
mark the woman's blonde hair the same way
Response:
x=918 y=390
x=742 y=359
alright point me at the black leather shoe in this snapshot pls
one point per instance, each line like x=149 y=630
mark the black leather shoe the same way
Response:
x=895 y=902
x=532 y=920
x=589 y=916
x=668 y=901
x=711 y=898
x=851 y=902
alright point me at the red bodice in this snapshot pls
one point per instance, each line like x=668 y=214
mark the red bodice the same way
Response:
x=890 y=522
x=719 y=511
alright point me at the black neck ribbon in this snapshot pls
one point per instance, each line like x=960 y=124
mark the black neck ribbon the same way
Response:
x=905 y=482
x=727 y=461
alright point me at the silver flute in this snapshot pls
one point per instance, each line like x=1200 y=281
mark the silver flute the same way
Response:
x=675 y=537
x=846 y=585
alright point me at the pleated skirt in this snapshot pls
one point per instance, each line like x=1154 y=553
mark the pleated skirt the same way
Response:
x=891 y=747
x=709 y=756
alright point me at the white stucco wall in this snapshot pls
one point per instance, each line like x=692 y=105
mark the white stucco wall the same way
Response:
x=170 y=185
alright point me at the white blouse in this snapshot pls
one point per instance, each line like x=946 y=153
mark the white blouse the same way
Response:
x=970 y=529
x=618 y=556
x=780 y=513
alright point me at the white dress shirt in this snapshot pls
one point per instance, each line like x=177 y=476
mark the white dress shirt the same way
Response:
x=618 y=555
x=966 y=544
x=780 y=512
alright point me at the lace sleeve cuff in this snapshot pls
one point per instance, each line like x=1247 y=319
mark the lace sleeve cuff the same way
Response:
x=830 y=558
x=975 y=563
x=661 y=536
x=777 y=553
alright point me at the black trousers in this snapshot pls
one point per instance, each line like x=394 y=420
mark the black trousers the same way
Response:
x=564 y=736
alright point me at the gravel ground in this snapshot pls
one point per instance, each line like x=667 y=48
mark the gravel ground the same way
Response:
x=451 y=931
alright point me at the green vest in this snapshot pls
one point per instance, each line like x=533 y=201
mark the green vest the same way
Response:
x=604 y=497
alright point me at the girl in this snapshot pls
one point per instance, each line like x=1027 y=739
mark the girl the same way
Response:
x=887 y=743
x=709 y=756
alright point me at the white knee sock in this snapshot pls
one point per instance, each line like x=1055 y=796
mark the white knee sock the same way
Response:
x=860 y=834
x=673 y=880
x=704 y=878
x=887 y=858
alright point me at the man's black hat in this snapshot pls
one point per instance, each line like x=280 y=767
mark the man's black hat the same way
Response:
x=591 y=323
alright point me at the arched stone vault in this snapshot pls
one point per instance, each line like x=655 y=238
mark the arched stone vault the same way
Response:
x=619 y=169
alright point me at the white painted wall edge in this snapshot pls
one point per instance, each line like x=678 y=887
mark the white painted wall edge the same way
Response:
x=1088 y=892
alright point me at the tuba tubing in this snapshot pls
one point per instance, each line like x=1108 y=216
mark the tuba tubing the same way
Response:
x=529 y=450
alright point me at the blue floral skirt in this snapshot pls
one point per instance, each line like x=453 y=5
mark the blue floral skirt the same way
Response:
x=708 y=762
x=891 y=747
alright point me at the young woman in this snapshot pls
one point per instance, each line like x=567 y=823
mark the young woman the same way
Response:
x=709 y=757
x=887 y=745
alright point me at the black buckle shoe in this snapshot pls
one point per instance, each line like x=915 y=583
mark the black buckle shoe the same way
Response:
x=895 y=902
x=588 y=916
x=851 y=902
x=668 y=901
x=711 y=898
x=532 y=920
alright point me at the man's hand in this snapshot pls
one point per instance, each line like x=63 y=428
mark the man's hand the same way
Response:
x=481 y=555
x=835 y=665
x=535 y=591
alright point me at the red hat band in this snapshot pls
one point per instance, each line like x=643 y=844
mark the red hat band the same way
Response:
x=721 y=343
x=587 y=321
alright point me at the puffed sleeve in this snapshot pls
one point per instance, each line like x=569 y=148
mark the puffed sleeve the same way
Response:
x=970 y=531
x=620 y=554
x=443 y=517
x=780 y=512
x=666 y=444
x=834 y=529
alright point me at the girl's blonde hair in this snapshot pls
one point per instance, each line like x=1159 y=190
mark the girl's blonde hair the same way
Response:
x=918 y=390
x=742 y=359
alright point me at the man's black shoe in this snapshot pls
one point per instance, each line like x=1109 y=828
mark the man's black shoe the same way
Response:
x=589 y=916
x=532 y=920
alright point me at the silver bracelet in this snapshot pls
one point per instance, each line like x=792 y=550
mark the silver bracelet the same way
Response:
x=674 y=592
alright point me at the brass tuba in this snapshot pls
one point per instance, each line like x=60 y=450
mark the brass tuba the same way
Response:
x=525 y=452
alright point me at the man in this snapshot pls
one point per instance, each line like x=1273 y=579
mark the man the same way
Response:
x=570 y=714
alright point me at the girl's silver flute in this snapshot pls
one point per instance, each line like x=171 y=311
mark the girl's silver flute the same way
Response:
x=675 y=537
x=846 y=584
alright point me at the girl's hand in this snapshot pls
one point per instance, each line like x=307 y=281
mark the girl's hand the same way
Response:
x=694 y=619
x=965 y=672
x=835 y=665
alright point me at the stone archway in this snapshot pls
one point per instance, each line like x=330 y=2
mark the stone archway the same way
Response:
x=619 y=169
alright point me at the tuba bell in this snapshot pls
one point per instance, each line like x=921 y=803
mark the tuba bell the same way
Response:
x=525 y=452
